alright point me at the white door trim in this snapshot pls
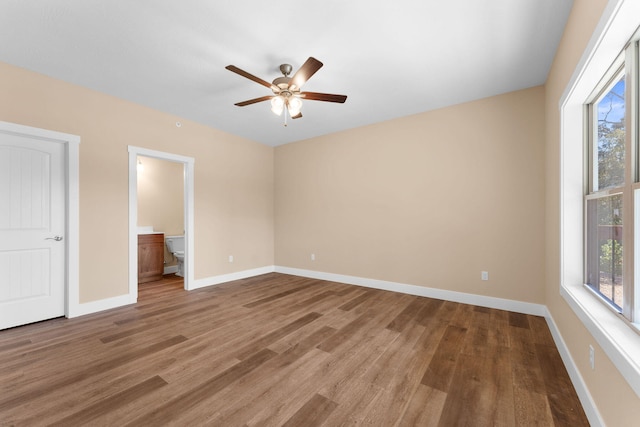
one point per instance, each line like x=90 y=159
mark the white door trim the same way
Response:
x=72 y=221
x=188 y=162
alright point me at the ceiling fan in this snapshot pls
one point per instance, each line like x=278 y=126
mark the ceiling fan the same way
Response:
x=287 y=90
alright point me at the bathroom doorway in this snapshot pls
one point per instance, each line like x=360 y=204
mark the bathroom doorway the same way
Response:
x=160 y=207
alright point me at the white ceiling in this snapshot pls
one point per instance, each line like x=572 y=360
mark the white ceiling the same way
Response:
x=392 y=58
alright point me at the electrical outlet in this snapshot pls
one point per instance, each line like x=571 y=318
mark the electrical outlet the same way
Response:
x=592 y=357
x=230 y=258
x=313 y=257
x=484 y=275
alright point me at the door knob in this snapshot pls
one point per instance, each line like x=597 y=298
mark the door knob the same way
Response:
x=56 y=238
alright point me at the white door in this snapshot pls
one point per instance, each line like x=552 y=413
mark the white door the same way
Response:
x=32 y=229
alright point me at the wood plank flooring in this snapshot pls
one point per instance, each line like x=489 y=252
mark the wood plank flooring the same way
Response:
x=280 y=350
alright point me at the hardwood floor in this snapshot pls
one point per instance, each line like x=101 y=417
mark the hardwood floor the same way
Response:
x=283 y=350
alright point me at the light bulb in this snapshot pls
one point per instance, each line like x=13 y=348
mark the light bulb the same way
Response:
x=277 y=105
x=140 y=166
x=295 y=105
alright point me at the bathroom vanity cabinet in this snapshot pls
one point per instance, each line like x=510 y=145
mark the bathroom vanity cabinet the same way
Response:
x=150 y=257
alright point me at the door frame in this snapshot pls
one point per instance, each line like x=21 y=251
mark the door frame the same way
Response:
x=71 y=240
x=188 y=164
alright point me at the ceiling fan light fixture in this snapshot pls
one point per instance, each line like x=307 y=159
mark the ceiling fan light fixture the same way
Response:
x=295 y=105
x=277 y=105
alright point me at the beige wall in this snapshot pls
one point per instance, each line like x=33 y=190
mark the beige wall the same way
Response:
x=233 y=178
x=161 y=198
x=616 y=401
x=431 y=199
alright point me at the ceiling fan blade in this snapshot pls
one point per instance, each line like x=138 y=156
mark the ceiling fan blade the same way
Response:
x=329 y=97
x=305 y=72
x=243 y=73
x=253 y=101
x=297 y=116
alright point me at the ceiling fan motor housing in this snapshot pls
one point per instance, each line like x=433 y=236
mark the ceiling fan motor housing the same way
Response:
x=282 y=83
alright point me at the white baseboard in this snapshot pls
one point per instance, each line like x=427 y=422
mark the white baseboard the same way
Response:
x=480 y=300
x=223 y=278
x=464 y=298
x=100 y=305
x=585 y=397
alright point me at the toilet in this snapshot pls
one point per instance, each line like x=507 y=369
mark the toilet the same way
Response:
x=175 y=245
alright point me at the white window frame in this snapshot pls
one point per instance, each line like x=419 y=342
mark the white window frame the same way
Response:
x=620 y=342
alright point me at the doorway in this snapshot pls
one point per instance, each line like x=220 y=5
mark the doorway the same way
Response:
x=135 y=174
x=160 y=218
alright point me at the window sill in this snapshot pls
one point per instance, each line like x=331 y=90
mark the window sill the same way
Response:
x=618 y=338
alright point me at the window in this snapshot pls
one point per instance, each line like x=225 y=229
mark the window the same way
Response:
x=595 y=206
x=612 y=178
